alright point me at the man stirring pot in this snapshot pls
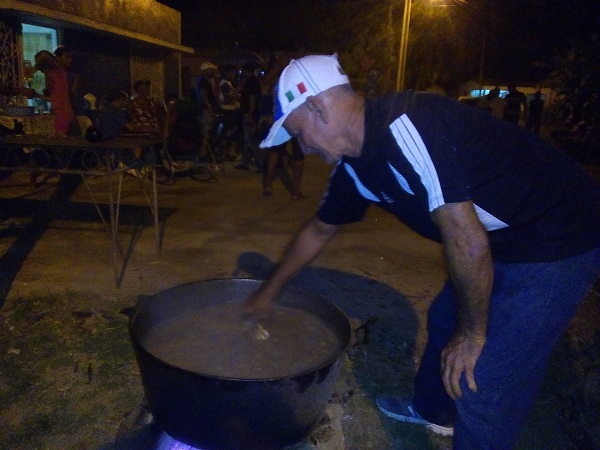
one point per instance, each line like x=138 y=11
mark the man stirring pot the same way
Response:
x=517 y=218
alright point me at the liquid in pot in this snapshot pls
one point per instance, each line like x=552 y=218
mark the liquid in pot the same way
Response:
x=220 y=341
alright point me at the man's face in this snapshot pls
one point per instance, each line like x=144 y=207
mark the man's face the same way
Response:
x=314 y=134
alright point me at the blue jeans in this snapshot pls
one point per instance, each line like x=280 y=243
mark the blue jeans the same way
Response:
x=531 y=305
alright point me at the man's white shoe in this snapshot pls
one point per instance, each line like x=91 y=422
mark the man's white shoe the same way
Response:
x=401 y=409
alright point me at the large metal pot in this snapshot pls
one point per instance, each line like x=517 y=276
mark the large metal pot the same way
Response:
x=212 y=412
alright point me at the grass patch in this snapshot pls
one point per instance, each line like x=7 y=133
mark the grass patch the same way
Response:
x=67 y=372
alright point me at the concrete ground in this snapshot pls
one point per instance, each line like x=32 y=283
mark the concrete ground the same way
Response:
x=208 y=230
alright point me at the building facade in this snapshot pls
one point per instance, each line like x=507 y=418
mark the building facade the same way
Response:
x=114 y=42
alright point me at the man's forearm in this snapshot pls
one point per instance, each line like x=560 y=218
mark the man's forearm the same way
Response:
x=305 y=247
x=469 y=264
x=472 y=276
x=471 y=270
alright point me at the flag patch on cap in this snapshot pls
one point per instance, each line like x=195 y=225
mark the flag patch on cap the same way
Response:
x=292 y=94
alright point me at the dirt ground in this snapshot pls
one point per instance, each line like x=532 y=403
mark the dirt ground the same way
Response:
x=68 y=377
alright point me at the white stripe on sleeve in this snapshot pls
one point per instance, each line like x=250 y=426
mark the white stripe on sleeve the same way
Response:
x=411 y=144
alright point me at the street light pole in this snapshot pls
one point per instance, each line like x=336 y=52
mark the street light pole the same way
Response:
x=404 y=38
x=403 y=45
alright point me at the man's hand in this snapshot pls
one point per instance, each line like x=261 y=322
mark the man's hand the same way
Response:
x=459 y=356
x=260 y=303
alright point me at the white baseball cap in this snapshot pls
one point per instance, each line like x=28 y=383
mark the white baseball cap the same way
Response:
x=302 y=78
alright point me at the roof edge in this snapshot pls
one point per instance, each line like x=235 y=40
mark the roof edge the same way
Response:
x=22 y=7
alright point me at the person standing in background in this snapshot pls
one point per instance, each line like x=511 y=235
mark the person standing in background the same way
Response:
x=276 y=154
x=205 y=91
x=536 y=110
x=514 y=99
x=250 y=91
x=65 y=56
x=226 y=139
x=57 y=90
x=492 y=103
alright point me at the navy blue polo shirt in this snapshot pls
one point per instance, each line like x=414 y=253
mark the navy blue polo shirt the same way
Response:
x=422 y=151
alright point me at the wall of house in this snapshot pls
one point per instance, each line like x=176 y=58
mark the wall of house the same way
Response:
x=106 y=60
x=141 y=16
x=101 y=60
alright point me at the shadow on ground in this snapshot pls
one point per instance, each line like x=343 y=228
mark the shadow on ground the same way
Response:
x=35 y=216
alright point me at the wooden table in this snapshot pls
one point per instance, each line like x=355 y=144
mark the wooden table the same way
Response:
x=76 y=155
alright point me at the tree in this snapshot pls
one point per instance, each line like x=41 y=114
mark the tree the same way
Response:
x=575 y=77
x=440 y=47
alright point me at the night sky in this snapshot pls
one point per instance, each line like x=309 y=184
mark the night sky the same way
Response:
x=520 y=32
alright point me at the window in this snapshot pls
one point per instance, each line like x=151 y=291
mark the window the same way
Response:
x=36 y=39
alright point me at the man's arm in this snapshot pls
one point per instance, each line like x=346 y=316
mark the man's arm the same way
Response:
x=302 y=250
x=471 y=270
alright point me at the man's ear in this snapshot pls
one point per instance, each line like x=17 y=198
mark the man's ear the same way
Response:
x=317 y=106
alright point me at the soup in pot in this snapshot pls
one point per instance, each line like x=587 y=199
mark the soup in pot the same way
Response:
x=220 y=340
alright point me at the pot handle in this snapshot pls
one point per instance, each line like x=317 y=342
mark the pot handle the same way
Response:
x=365 y=331
x=130 y=311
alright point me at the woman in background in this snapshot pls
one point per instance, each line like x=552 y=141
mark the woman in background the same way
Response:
x=57 y=91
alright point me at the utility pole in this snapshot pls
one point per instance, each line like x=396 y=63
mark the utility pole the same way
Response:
x=403 y=45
